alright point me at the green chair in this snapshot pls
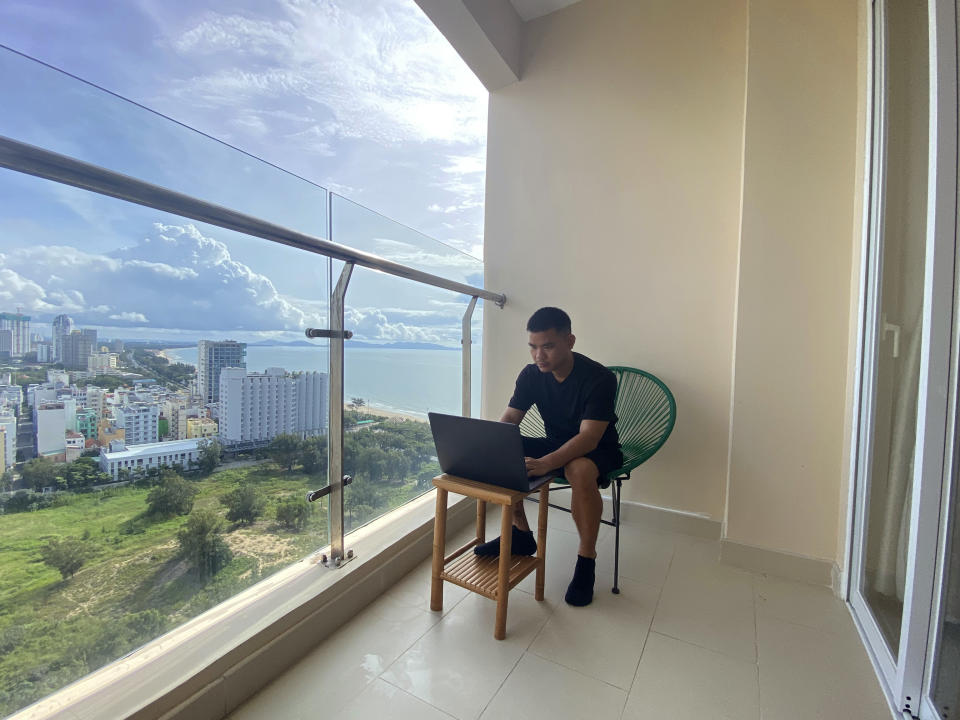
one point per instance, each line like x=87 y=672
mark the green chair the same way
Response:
x=646 y=413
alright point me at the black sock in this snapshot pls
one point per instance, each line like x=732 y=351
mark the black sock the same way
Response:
x=580 y=590
x=521 y=543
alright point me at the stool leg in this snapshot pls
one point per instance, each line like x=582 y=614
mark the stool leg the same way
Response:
x=503 y=575
x=481 y=521
x=439 y=545
x=542 y=539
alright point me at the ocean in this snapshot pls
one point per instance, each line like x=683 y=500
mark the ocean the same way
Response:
x=413 y=382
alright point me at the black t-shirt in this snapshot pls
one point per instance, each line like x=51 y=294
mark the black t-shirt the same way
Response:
x=587 y=393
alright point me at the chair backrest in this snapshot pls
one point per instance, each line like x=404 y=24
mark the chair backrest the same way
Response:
x=646 y=413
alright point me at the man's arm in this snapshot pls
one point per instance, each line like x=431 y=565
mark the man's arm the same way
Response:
x=512 y=415
x=579 y=445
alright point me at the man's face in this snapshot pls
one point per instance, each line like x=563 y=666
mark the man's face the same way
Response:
x=550 y=350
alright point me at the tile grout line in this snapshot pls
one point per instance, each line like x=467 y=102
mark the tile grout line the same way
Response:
x=523 y=652
x=420 y=699
x=653 y=617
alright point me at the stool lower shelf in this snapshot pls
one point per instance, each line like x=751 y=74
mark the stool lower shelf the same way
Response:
x=480 y=574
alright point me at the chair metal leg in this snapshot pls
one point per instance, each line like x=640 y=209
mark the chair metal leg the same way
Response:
x=616 y=520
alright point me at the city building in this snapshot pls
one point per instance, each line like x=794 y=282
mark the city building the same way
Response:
x=49 y=422
x=3 y=451
x=140 y=458
x=140 y=422
x=6 y=344
x=201 y=427
x=108 y=432
x=74 y=443
x=77 y=347
x=45 y=352
x=19 y=327
x=86 y=423
x=8 y=425
x=260 y=406
x=212 y=357
x=103 y=363
x=11 y=396
x=61 y=327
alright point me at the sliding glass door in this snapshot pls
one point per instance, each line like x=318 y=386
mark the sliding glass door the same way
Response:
x=908 y=362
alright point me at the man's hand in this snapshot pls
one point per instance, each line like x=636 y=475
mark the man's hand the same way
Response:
x=537 y=466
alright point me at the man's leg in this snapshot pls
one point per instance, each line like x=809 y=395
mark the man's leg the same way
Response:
x=586 y=505
x=523 y=540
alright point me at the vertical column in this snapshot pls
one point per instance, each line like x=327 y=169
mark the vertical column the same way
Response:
x=466 y=343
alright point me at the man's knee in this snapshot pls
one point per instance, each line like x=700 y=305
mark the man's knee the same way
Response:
x=582 y=474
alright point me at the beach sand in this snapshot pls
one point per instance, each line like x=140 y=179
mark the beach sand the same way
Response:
x=389 y=414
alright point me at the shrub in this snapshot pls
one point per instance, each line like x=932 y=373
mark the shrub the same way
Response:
x=293 y=513
x=202 y=544
x=66 y=555
x=244 y=504
x=173 y=496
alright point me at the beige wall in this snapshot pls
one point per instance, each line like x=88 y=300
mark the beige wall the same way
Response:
x=613 y=191
x=614 y=177
x=790 y=383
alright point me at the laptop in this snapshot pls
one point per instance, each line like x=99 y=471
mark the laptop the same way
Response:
x=483 y=450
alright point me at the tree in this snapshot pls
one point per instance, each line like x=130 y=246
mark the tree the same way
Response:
x=210 y=451
x=39 y=473
x=66 y=555
x=172 y=496
x=202 y=544
x=293 y=513
x=313 y=455
x=244 y=504
x=6 y=480
x=357 y=403
x=284 y=450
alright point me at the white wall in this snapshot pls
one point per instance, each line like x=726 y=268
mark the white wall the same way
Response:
x=797 y=242
x=695 y=209
x=613 y=190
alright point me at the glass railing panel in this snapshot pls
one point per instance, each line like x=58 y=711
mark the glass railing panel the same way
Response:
x=55 y=111
x=108 y=551
x=404 y=360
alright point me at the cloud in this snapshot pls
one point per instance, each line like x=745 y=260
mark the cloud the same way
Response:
x=381 y=71
x=176 y=277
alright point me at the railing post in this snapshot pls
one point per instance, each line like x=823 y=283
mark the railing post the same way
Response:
x=335 y=425
x=466 y=342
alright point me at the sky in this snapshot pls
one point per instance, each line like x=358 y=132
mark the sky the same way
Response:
x=363 y=97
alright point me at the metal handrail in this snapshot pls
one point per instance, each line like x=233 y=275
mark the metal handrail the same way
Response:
x=31 y=160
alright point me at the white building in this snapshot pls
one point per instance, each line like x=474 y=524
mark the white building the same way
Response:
x=103 y=363
x=212 y=357
x=45 y=352
x=151 y=455
x=74 y=443
x=50 y=423
x=19 y=327
x=8 y=426
x=312 y=399
x=260 y=406
x=12 y=396
x=140 y=422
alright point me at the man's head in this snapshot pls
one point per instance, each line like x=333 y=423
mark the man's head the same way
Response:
x=550 y=339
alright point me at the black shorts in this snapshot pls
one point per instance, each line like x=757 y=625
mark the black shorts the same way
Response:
x=606 y=460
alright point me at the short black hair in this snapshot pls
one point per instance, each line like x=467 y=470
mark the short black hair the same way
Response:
x=549 y=318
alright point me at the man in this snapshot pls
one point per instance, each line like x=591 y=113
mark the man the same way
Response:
x=575 y=396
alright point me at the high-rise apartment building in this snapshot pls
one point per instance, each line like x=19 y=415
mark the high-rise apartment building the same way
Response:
x=140 y=422
x=19 y=327
x=260 y=406
x=212 y=357
x=8 y=424
x=50 y=425
x=77 y=347
x=62 y=326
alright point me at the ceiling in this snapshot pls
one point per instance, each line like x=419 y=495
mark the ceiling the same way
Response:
x=530 y=9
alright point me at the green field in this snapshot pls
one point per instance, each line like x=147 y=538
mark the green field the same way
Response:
x=133 y=585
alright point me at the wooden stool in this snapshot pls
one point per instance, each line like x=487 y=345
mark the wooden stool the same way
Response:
x=489 y=576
